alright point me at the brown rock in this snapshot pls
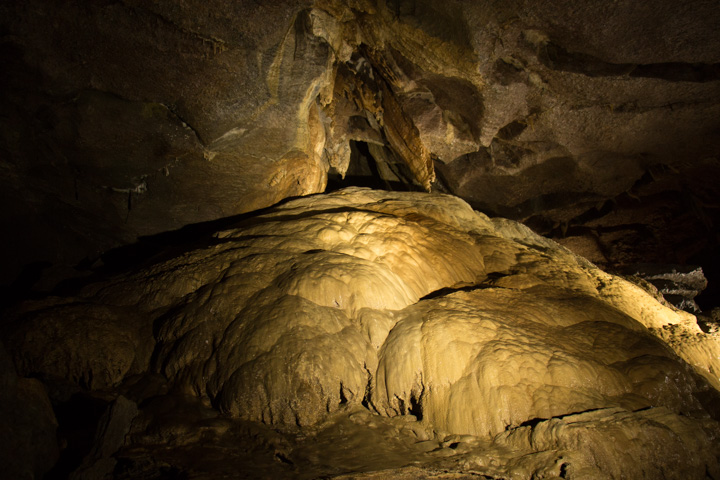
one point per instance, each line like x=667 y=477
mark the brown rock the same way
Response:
x=29 y=445
x=143 y=118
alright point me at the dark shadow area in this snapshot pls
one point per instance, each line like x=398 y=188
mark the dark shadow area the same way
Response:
x=533 y=422
x=710 y=400
x=154 y=249
x=416 y=408
x=531 y=207
x=557 y=58
x=709 y=259
x=364 y=171
x=146 y=251
x=77 y=421
x=23 y=284
x=442 y=292
x=128 y=469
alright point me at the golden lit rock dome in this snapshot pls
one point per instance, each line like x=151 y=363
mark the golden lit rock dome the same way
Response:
x=399 y=304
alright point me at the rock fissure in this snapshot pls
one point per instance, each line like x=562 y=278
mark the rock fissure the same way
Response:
x=557 y=58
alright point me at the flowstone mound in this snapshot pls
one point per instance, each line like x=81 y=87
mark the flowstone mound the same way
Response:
x=398 y=303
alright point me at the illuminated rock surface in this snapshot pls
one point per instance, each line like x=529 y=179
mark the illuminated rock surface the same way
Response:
x=360 y=331
x=380 y=331
x=130 y=118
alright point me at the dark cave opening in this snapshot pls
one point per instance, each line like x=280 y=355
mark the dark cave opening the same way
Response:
x=77 y=419
x=365 y=170
x=416 y=408
x=362 y=170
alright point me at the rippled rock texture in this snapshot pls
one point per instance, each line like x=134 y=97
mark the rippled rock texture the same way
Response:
x=394 y=306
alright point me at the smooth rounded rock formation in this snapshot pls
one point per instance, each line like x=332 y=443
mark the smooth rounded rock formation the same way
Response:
x=404 y=304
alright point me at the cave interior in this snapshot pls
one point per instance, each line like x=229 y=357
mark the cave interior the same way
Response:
x=365 y=239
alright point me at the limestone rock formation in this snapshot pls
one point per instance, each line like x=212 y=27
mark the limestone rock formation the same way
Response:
x=29 y=447
x=678 y=284
x=263 y=319
x=113 y=427
x=398 y=305
x=131 y=118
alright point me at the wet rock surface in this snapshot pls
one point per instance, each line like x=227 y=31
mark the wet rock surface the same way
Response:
x=377 y=332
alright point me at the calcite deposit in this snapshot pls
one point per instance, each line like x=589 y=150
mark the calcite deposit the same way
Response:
x=189 y=290
x=493 y=350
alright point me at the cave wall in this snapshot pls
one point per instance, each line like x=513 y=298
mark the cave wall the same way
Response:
x=596 y=123
x=591 y=121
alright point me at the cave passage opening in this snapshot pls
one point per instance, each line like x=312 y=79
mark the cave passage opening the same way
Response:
x=373 y=166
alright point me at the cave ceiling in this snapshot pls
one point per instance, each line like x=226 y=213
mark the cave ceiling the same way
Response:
x=598 y=122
